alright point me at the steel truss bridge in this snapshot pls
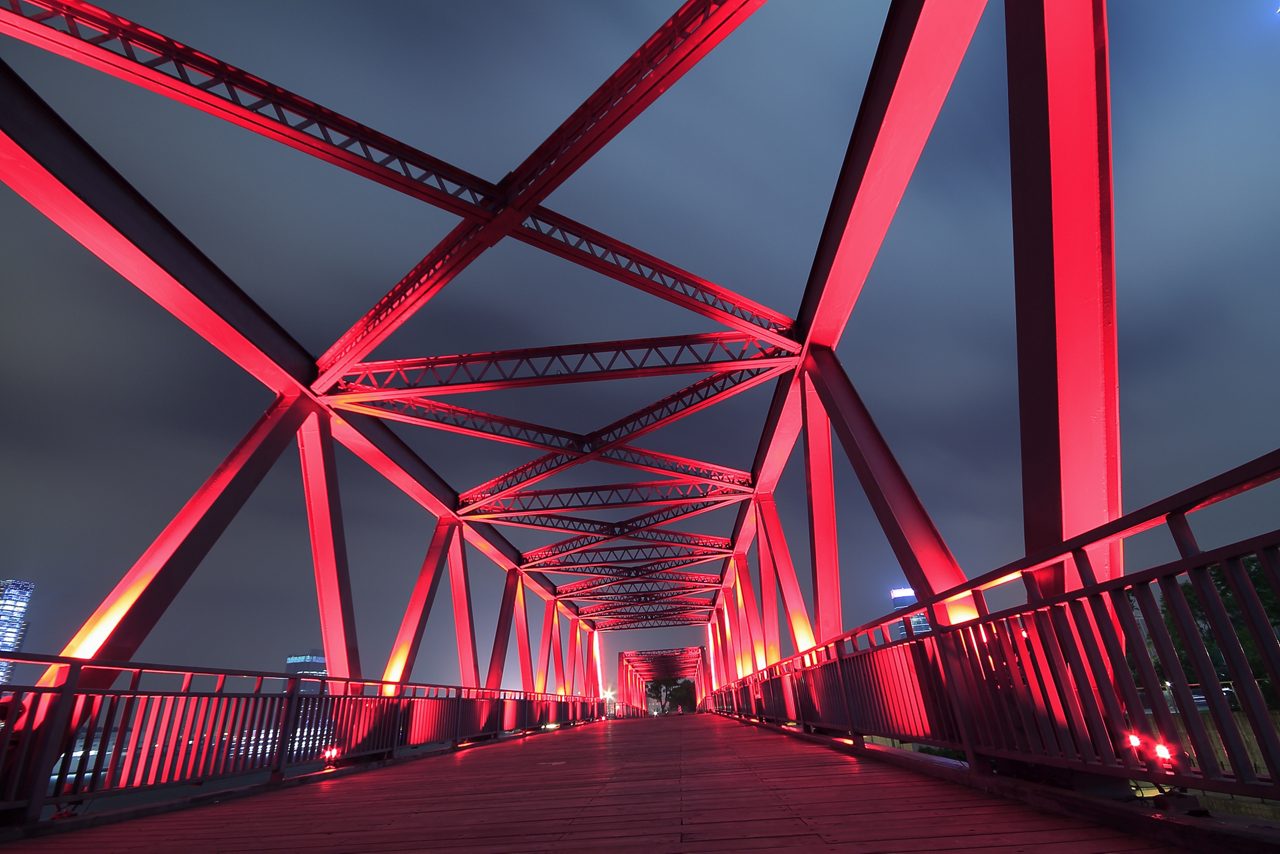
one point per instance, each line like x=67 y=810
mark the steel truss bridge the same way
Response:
x=1166 y=674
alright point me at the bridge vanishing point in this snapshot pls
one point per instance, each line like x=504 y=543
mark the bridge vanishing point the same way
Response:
x=1090 y=684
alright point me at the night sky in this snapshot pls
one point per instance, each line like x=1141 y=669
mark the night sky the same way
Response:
x=116 y=412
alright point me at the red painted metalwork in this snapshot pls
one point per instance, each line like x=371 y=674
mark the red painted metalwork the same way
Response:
x=404 y=651
x=1035 y=683
x=328 y=548
x=712 y=352
x=824 y=544
x=773 y=542
x=502 y=634
x=463 y=626
x=1068 y=389
x=119 y=625
x=924 y=557
x=149 y=727
x=690 y=34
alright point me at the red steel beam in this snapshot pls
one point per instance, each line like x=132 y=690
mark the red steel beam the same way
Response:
x=544 y=647
x=1064 y=278
x=774 y=540
x=750 y=608
x=129 y=612
x=611 y=557
x=437 y=415
x=502 y=634
x=656 y=493
x=685 y=402
x=463 y=627
x=404 y=651
x=690 y=34
x=557 y=654
x=919 y=53
x=124 y=49
x=824 y=543
x=710 y=352
x=49 y=165
x=637 y=527
x=328 y=548
x=921 y=552
x=523 y=652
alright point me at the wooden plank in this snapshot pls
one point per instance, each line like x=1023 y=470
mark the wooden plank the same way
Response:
x=683 y=783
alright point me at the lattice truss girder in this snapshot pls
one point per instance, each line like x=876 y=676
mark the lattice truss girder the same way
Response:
x=757 y=348
x=322 y=399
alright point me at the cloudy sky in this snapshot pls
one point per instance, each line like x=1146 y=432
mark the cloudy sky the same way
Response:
x=116 y=412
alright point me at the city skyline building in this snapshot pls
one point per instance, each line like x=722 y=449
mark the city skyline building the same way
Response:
x=905 y=597
x=310 y=663
x=15 y=597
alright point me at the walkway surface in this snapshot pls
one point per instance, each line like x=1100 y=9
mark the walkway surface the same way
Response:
x=686 y=783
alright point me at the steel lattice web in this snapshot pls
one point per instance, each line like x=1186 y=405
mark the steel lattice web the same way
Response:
x=596 y=572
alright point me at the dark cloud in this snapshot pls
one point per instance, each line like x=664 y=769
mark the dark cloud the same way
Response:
x=116 y=413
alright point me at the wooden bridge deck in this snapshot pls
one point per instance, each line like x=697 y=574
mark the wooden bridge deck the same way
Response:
x=691 y=783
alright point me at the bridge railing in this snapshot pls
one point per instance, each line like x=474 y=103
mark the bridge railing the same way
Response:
x=1170 y=674
x=73 y=731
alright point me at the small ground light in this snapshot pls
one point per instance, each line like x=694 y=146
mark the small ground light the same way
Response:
x=1162 y=752
x=1134 y=741
x=329 y=754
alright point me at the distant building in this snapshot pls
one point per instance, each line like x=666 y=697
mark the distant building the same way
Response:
x=14 y=597
x=310 y=663
x=905 y=597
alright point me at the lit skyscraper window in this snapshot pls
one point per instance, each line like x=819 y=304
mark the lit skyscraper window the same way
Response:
x=15 y=596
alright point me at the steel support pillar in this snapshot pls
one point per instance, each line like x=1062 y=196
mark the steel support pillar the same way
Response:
x=1064 y=276
x=750 y=609
x=824 y=546
x=328 y=548
x=523 y=651
x=544 y=647
x=924 y=557
x=463 y=627
x=772 y=539
x=409 y=638
x=502 y=634
x=131 y=610
x=574 y=654
x=557 y=652
x=768 y=599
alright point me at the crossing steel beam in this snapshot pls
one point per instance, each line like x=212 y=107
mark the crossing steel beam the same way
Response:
x=711 y=352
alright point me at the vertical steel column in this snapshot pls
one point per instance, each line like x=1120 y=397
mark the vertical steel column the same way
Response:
x=557 y=652
x=746 y=590
x=824 y=546
x=921 y=552
x=405 y=649
x=328 y=548
x=1064 y=276
x=131 y=610
x=768 y=599
x=573 y=663
x=711 y=655
x=772 y=538
x=502 y=633
x=544 y=647
x=728 y=672
x=522 y=638
x=463 y=627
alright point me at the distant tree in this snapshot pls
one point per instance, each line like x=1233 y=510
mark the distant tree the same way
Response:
x=671 y=694
x=682 y=696
x=1267 y=597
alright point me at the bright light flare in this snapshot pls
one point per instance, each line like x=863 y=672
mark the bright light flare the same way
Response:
x=1162 y=752
x=1134 y=740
